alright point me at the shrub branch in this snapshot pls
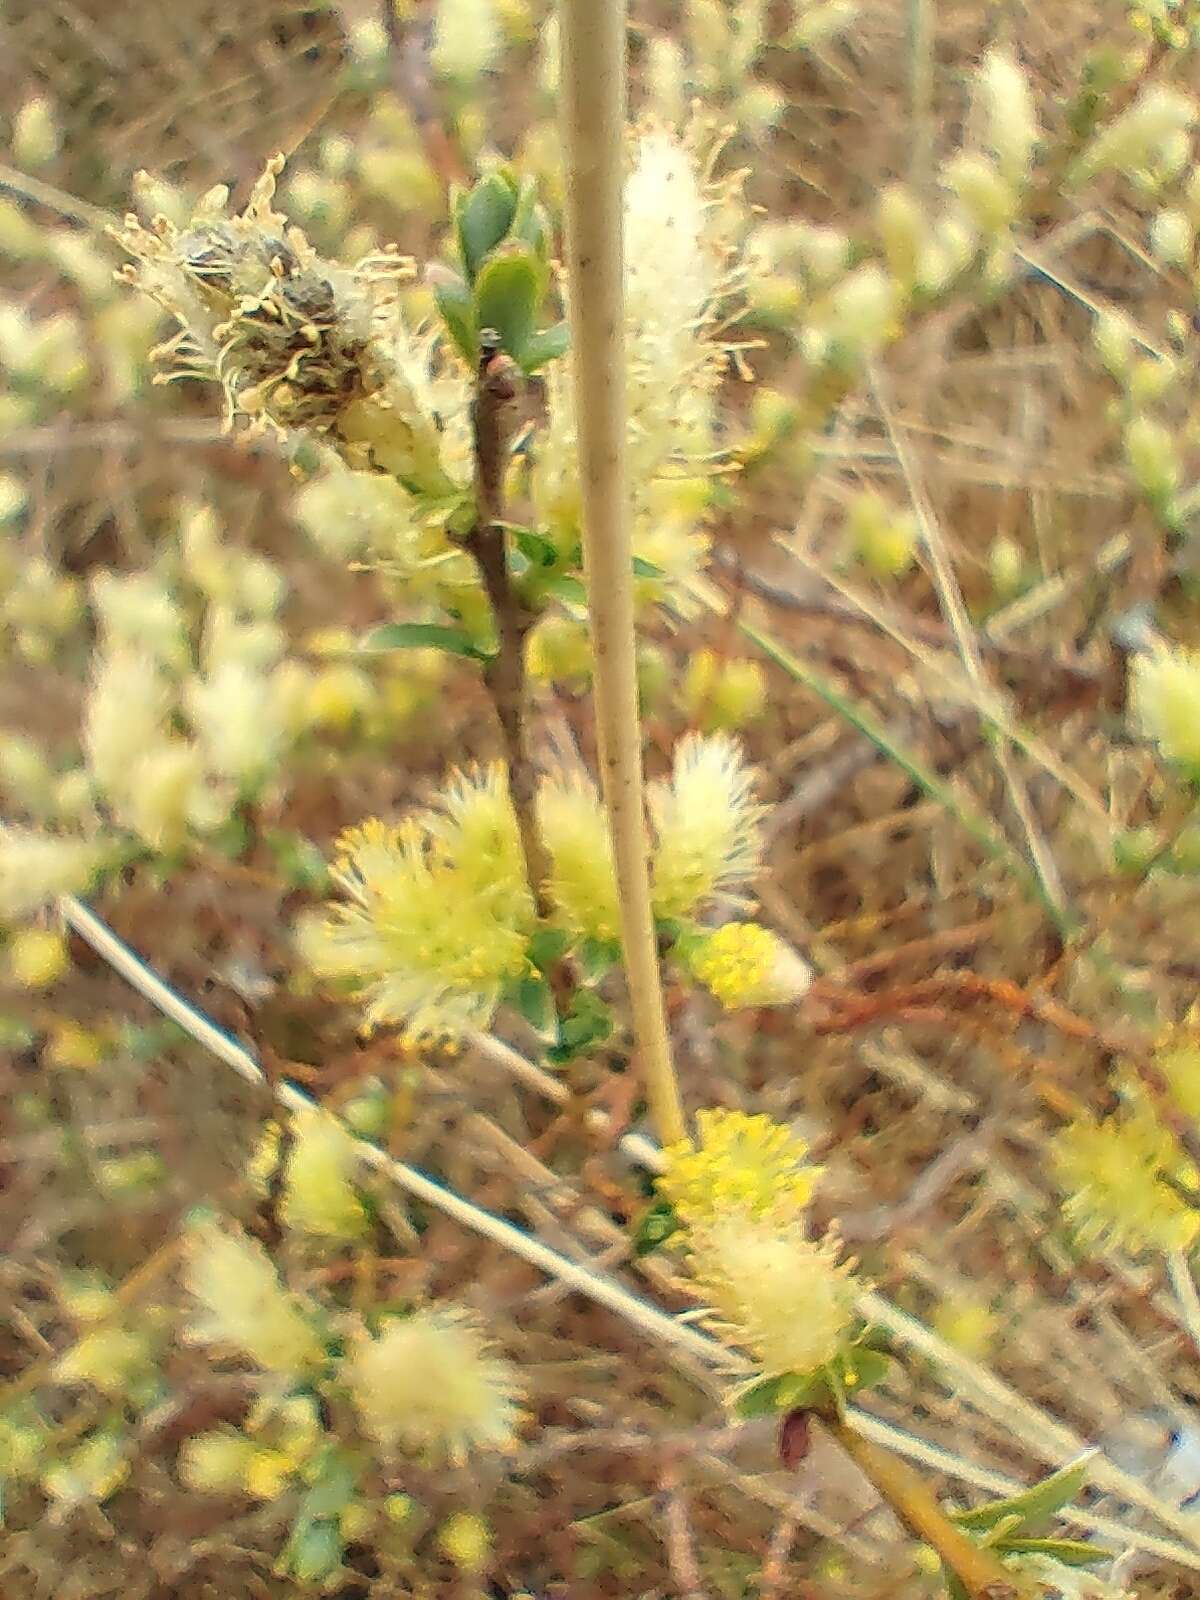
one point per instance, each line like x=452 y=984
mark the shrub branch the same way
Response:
x=505 y=673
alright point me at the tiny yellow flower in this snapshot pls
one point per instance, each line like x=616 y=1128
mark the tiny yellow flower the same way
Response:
x=337 y=695
x=109 y=1359
x=1177 y=1057
x=1012 y=121
x=69 y=1045
x=354 y=1522
x=583 y=883
x=319 y=1197
x=748 y=965
x=467 y=1540
x=437 y=914
x=723 y=694
x=37 y=958
x=1153 y=459
x=215 y=1463
x=1111 y=1174
x=245 y=1307
x=466 y=39
x=266 y=1472
x=36 y=134
x=989 y=201
x=560 y=651
x=706 y=823
x=35 y=868
x=93 y=1471
x=744 y=1165
x=883 y=538
x=1165 y=699
x=771 y=1291
x=428 y=1385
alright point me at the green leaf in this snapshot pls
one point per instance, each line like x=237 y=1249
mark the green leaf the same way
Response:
x=569 y=589
x=792 y=1391
x=1033 y=1505
x=1071 y=1552
x=546 y=344
x=529 y=219
x=457 y=305
x=654 y=1227
x=508 y=290
x=997 y=1537
x=546 y=947
x=589 y=1019
x=424 y=636
x=863 y=1368
x=598 y=956
x=314 y=1552
x=315 y=1548
x=536 y=547
x=587 y=1023
x=534 y=999
x=334 y=1489
x=483 y=217
x=645 y=569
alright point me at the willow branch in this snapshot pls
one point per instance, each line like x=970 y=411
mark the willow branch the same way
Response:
x=504 y=674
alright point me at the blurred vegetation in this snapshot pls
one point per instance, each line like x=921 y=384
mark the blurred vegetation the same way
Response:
x=941 y=582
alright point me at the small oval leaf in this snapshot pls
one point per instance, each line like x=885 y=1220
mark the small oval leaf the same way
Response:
x=424 y=636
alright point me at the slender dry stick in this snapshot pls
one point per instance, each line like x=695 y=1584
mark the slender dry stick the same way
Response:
x=678 y=1536
x=604 y=1291
x=920 y=88
x=593 y=120
x=977 y=1569
x=1179 y=1270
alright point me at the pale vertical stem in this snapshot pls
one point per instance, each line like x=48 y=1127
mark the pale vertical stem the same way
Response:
x=920 y=69
x=592 y=87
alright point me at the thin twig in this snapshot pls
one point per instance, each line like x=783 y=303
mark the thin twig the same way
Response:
x=920 y=77
x=678 y=1538
x=45 y=194
x=593 y=121
x=779 y=1548
x=504 y=674
x=1179 y=1270
x=976 y=1568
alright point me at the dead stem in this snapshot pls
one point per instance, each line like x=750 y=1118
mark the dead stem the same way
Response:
x=678 y=1537
x=593 y=40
